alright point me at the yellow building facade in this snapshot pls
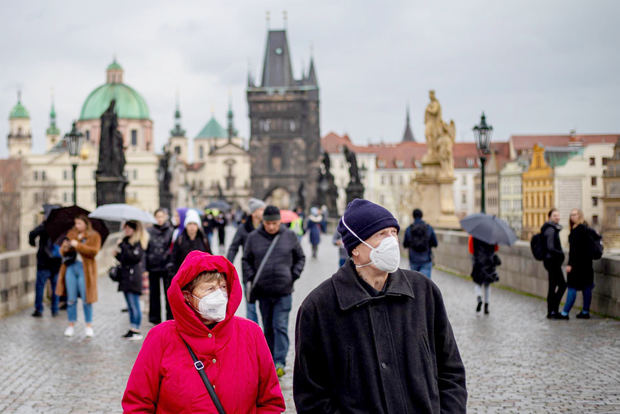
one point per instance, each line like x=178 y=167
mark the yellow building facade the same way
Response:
x=537 y=193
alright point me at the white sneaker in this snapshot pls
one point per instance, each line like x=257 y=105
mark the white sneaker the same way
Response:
x=89 y=332
x=69 y=331
x=136 y=336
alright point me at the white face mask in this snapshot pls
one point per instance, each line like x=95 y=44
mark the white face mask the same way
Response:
x=385 y=257
x=213 y=306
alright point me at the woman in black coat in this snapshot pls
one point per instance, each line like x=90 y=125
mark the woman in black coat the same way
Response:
x=130 y=253
x=192 y=238
x=580 y=273
x=484 y=269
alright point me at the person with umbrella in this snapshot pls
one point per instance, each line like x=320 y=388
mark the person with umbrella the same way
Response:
x=78 y=272
x=487 y=232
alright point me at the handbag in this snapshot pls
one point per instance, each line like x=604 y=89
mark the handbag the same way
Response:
x=200 y=367
x=249 y=286
x=114 y=273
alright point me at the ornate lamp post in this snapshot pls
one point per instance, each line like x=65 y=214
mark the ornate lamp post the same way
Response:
x=74 y=142
x=483 y=134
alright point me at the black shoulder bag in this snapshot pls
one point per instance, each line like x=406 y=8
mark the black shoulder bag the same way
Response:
x=200 y=367
x=250 y=284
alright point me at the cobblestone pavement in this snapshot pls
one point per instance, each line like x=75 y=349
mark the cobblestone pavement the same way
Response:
x=517 y=361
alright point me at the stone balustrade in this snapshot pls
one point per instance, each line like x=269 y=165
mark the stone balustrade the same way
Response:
x=519 y=270
x=18 y=275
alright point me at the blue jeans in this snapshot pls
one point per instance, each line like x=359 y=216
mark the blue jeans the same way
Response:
x=424 y=268
x=250 y=312
x=133 y=306
x=42 y=276
x=275 y=313
x=571 y=296
x=74 y=284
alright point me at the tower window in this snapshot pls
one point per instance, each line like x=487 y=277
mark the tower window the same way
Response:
x=87 y=135
x=276 y=158
x=201 y=152
x=592 y=161
x=177 y=150
x=134 y=137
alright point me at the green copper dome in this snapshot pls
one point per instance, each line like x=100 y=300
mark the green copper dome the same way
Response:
x=213 y=129
x=19 y=111
x=129 y=103
x=115 y=66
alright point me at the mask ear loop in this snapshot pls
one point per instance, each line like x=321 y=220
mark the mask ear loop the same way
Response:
x=358 y=238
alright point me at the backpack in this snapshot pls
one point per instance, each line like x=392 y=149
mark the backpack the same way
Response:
x=596 y=245
x=537 y=244
x=420 y=237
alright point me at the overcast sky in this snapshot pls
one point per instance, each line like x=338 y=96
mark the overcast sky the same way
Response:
x=533 y=66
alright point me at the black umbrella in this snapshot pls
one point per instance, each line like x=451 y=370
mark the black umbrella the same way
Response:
x=489 y=229
x=218 y=204
x=60 y=221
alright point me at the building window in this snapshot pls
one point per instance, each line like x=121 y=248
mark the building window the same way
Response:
x=382 y=179
x=201 y=152
x=400 y=180
x=177 y=150
x=592 y=161
x=65 y=174
x=595 y=220
x=594 y=201
x=36 y=175
x=593 y=181
x=43 y=176
x=391 y=179
x=64 y=197
x=277 y=160
x=135 y=174
x=134 y=137
x=87 y=135
x=464 y=180
x=463 y=198
x=605 y=160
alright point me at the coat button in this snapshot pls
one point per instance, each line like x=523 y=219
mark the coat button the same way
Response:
x=210 y=335
x=383 y=365
x=214 y=360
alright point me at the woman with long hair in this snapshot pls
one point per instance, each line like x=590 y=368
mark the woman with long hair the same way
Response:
x=580 y=274
x=130 y=254
x=78 y=272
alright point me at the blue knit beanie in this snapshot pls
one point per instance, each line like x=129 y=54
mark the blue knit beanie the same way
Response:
x=365 y=219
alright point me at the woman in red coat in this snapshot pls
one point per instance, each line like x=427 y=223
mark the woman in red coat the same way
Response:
x=204 y=295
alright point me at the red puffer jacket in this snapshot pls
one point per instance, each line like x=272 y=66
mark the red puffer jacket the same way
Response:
x=235 y=354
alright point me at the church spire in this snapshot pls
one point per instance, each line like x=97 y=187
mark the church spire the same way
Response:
x=53 y=129
x=312 y=80
x=178 y=131
x=229 y=116
x=408 y=135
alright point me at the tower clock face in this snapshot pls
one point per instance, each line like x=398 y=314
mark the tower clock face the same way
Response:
x=278 y=51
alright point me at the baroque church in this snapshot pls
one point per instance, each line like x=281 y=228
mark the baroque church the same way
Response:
x=285 y=140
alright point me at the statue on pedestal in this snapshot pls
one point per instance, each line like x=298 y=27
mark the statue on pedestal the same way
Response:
x=327 y=191
x=440 y=137
x=110 y=174
x=355 y=188
x=165 y=176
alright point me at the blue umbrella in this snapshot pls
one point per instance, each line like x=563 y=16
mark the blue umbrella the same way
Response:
x=489 y=229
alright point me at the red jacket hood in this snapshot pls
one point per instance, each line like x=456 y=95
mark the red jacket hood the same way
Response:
x=195 y=263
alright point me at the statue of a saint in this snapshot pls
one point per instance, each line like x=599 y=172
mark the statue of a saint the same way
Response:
x=440 y=137
x=111 y=151
x=352 y=160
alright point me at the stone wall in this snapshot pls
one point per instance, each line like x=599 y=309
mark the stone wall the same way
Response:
x=520 y=271
x=18 y=275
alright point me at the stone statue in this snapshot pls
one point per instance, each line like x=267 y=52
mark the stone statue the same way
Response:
x=165 y=177
x=110 y=175
x=355 y=189
x=301 y=196
x=327 y=190
x=440 y=137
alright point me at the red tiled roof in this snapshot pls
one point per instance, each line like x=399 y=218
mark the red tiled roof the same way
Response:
x=195 y=166
x=524 y=142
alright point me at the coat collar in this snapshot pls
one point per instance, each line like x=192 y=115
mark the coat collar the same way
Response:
x=351 y=293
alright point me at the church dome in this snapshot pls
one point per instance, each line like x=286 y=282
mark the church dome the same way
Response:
x=19 y=111
x=129 y=103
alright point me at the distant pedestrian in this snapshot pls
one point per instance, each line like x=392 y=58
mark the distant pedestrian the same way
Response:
x=272 y=278
x=231 y=351
x=420 y=238
x=579 y=272
x=48 y=264
x=78 y=272
x=178 y=222
x=375 y=338
x=192 y=238
x=554 y=257
x=256 y=208
x=221 y=223
x=484 y=272
x=209 y=225
x=130 y=253
x=342 y=252
x=315 y=226
x=157 y=258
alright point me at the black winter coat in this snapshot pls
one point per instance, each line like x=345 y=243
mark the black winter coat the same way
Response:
x=131 y=259
x=393 y=353
x=484 y=270
x=183 y=245
x=554 y=254
x=239 y=239
x=45 y=261
x=581 y=275
x=283 y=267
x=158 y=250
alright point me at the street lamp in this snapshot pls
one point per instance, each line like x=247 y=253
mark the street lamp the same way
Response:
x=483 y=134
x=74 y=142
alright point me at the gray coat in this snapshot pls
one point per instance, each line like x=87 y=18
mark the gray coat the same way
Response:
x=391 y=353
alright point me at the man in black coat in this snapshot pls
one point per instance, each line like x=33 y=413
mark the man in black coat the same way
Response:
x=375 y=338
x=273 y=286
x=554 y=257
x=157 y=258
x=48 y=264
x=252 y=222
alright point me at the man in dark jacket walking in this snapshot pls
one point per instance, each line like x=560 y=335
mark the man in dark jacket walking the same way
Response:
x=48 y=264
x=273 y=286
x=420 y=238
x=157 y=257
x=554 y=257
x=375 y=338
x=256 y=208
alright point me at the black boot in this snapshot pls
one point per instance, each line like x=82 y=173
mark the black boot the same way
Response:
x=486 y=308
x=479 y=306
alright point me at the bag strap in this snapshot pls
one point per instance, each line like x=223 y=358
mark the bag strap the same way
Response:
x=200 y=367
x=261 y=266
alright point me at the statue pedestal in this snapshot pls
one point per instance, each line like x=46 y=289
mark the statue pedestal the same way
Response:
x=354 y=190
x=110 y=189
x=436 y=199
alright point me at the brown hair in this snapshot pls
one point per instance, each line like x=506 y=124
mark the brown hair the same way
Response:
x=551 y=212
x=580 y=220
x=86 y=221
x=209 y=276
